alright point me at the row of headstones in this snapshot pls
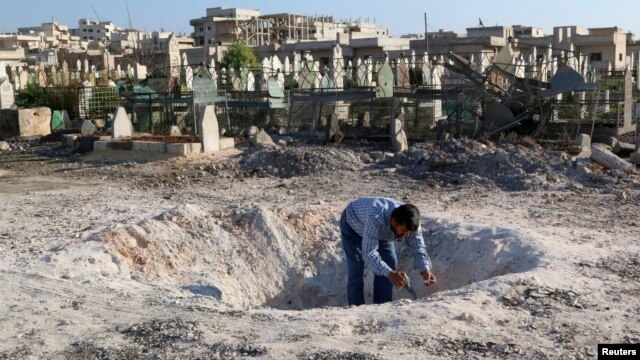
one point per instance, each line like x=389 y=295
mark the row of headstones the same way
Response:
x=46 y=76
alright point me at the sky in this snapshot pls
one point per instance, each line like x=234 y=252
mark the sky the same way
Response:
x=401 y=17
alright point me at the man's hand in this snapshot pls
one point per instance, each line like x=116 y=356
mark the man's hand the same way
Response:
x=428 y=278
x=397 y=278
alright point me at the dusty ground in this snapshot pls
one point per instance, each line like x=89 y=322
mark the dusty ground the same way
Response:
x=238 y=255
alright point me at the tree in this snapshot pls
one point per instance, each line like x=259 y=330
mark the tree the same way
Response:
x=240 y=55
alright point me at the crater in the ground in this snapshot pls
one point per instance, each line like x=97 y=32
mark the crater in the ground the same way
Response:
x=257 y=257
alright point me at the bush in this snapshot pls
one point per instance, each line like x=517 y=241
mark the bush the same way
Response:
x=240 y=55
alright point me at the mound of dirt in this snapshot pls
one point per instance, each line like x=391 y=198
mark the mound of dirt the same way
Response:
x=259 y=257
x=301 y=161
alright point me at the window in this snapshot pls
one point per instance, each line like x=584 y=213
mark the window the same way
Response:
x=97 y=31
x=620 y=57
x=595 y=57
x=209 y=28
x=90 y=30
x=84 y=30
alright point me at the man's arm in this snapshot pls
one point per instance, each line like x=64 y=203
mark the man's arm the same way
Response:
x=419 y=250
x=370 y=241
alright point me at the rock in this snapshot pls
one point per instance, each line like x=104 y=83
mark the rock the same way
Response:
x=4 y=146
x=609 y=160
x=635 y=158
x=262 y=138
x=282 y=143
x=70 y=139
x=583 y=141
x=253 y=131
x=610 y=141
x=88 y=128
x=175 y=131
x=501 y=156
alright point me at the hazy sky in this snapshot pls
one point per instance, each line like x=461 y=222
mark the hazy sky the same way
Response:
x=401 y=17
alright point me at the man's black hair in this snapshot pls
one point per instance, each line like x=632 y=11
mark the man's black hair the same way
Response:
x=407 y=215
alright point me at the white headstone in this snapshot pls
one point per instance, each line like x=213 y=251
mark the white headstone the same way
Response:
x=173 y=50
x=66 y=119
x=398 y=137
x=7 y=97
x=287 y=66
x=122 y=127
x=251 y=81
x=78 y=65
x=210 y=134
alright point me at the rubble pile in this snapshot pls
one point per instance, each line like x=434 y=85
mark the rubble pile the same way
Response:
x=510 y=166
x=518 y=165
x=301 y=161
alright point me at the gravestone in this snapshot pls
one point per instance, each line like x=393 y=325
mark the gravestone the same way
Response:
x=385 y=80
x=85 y=66
x=209 y=135
x=307 y=74
x=333 y=133
x=364 y=120
x=398 y=137
x=122 y=127
x=78 y=65
x=205 y=91
x=337 y=67
x=267 y=70
x=361 y=73
x=23 y=78
x=276 y=65
x=244 y=77
x=65 y=74
x=141 y=71
x=251 y=82
x=276 y=93
x=7 y=97
x=326 y=83
x=173 y=52
x=402 y=75
x=287 y=66
x=57 y=123
x=66 y=119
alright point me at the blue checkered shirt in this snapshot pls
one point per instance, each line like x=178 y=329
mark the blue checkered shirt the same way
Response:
x=370 y=218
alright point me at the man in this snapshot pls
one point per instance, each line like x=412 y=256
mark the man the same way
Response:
x=369 y=226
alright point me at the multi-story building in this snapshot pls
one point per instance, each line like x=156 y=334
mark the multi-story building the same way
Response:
x=225 y=26
x=89 y=30
x=52 y=35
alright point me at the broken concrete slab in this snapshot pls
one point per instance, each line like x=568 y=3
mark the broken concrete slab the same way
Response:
x=122 y=126
x=25 y=122
x=609 y=160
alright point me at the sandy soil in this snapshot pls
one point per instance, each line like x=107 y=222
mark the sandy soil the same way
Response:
x=238 y=255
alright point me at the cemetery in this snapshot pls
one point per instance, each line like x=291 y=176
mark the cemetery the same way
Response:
x=188 y=205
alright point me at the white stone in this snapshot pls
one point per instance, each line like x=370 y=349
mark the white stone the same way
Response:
x=66 y=119
x=122 y=126
x=210 y=135
x=398 y=137
x=227 y=143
